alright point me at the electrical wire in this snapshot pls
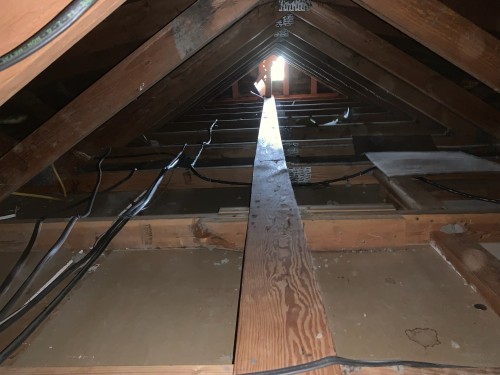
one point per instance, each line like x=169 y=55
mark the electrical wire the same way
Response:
x=39 y=196
x=20 y=262
x=335 y=360
x=57 y=245
x=69 y=15
x=107 y=190
x=63 y=188
x=457 y=192
x=324 y=183
x=209 y=179
x=82 y=265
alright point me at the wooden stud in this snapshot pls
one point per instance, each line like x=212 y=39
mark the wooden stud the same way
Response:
x=445 y=32
x=282 y=321
x=158 y=104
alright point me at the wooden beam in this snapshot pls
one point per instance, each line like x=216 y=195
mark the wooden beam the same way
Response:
x=172 y=45
x=140 y=233
x=445 y=32
x=111 y=42
x=314 y=86
x=408 y=193
x=327 y=231
x=341 y=78
x=268 y=80
x=21 y=19
x=282 y=321
x=479 y=267
x=157 y=104
x=383 y=79
x=403 y=66
x=121 y=370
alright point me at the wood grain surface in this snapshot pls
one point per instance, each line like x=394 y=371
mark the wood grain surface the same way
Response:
x=282 y=321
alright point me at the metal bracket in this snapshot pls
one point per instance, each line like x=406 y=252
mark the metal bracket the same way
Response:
x=294 y=5
x=300 y=175
x=282 y=33
x=286 y=21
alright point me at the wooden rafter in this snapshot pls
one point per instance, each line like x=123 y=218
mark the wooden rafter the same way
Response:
x=404 y=67
x=175 y=43
x=445 y=32
x=383 y=79
x=158 y=104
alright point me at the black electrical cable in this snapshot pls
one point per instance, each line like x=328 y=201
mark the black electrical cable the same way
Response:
x=225 y=182
x=324 y=183
x=209 y=179
x=57 y=245
x=335 y=360
x=20 y=262
x=458 y=192
x=338 y=179
x=107 y=190
x=83 y=265
x=49 y=32
x=36 y=230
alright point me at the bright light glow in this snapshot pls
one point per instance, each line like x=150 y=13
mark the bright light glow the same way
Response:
x=278 y=69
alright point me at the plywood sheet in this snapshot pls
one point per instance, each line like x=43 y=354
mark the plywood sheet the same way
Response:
x=153 y=307
x=407 y=304
x=424 y=163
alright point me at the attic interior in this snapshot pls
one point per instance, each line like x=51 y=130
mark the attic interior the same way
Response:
x=250 y=186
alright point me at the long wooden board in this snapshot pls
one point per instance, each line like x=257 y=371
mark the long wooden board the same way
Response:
x=121 y=370
x=325 y=231
x=389 y=83
x=282 y=321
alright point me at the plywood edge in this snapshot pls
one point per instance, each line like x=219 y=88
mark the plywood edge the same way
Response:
x=118 y=370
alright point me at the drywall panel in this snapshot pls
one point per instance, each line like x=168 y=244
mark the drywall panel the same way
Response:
x=407 y=304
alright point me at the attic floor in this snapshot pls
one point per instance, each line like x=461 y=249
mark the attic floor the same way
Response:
x=172 y=306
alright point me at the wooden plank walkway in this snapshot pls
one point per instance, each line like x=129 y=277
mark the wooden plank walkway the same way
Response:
x=282 y=321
